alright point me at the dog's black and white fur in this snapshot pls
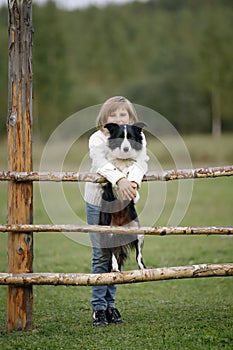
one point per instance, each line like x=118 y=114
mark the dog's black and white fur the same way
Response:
x=123 y=148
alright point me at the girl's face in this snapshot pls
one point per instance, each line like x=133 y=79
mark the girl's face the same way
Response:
x=119 y=116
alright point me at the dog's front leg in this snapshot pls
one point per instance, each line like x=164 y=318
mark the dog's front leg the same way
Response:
x=115 y=266
x=139 y=246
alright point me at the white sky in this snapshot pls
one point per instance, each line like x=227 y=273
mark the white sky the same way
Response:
x=72 y=4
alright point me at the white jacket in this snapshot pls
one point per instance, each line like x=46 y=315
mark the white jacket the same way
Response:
x=100 y=165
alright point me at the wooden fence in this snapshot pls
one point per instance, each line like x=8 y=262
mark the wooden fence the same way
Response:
x=25 y=279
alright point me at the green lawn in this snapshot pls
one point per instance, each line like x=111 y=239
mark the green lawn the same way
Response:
x=177 y=314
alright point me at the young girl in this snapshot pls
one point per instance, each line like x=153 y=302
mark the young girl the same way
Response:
x=115 y=110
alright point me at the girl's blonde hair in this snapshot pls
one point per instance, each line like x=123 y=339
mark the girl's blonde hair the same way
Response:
x=110 y=106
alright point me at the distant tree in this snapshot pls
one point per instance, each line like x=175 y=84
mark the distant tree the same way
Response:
x=172 y=56
x=51 y=83
x=215 y=62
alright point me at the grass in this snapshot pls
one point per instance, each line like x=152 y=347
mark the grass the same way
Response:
x=191 y=314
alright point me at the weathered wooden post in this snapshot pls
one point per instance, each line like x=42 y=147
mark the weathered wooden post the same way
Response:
x=19 y=124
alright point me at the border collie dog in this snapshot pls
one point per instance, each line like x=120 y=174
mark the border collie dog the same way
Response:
x=123 y=148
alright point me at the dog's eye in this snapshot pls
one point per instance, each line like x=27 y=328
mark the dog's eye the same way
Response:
x=130 y=137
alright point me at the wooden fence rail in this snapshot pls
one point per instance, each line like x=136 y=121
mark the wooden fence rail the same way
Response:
x=133 y=276
x=167 y=175
x=159 y=230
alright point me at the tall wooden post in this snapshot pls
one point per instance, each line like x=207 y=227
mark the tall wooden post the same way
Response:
x=19 y=124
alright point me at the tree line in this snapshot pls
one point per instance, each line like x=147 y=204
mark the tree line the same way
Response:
x=174 y=56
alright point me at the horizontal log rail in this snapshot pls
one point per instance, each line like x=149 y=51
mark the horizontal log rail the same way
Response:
x=166 y=175
x=159 y=230
x=133 y=276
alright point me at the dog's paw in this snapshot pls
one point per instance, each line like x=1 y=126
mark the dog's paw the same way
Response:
x=115 y=270
x=136 y=199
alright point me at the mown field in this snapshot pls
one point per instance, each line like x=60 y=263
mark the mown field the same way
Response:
x=177 y=314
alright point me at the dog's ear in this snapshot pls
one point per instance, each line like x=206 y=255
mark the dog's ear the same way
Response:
x=140 y=125
x=111 y=127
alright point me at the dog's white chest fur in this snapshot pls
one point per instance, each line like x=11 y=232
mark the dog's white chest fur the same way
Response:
x=124 y=166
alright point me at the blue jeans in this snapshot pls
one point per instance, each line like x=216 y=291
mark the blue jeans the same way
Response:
x=102 y=296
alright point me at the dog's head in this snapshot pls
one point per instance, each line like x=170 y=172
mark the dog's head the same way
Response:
x=125 y=140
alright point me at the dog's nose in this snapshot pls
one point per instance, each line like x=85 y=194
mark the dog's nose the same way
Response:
x=126 y=149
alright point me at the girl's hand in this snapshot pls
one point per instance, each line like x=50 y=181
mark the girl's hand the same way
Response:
x=128 y=189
